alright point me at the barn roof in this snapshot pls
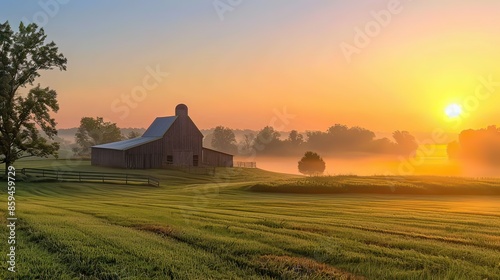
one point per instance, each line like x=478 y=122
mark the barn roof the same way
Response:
x=154 y=132
x=212 y=150
x=159 y=126
x=127 y=144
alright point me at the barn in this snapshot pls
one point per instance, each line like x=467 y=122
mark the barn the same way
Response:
x=169 y=141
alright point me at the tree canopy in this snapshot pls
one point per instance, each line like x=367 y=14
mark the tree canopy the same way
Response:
x=405 y=141
x=295 y=138
x=95 y=131
x=312 y=164
x=23 y=117
x=267 y=139
x=224 y=140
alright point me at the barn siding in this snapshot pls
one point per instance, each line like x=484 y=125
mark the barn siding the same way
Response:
x=107 y=157
x=183 y=141
x=149 y=155
x=215 y=158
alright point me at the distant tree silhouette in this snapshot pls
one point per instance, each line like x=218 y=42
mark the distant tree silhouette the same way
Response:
x=295 y=139
x=360 y=138
x=337 y=139
x=342 y=139
x=293 y=145
x=406 y=143
x=267 y=140
x=318 y=140
x=382 y=146
x=223 y=139
x=133 y=134
x=207 y=140
x=246 y=144
x=354 y=138
x=94 y=131
x=479 y=146
x=311 y=164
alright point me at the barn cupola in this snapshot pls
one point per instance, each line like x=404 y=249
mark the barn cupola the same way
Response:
x=181 y=110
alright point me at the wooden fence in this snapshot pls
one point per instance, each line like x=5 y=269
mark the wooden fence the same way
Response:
x=101 y=177
x=244 y=164
x=202 y=170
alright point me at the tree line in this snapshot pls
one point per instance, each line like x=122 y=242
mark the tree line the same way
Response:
x=338 y=139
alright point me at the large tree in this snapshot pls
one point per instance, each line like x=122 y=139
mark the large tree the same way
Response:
x=311 y=164
x=93 y=132
x=23 y=55
x=224 y=140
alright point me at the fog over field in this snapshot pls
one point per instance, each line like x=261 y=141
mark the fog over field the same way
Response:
x=428 y=160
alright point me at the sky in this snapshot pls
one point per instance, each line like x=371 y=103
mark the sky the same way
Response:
x=293 y=64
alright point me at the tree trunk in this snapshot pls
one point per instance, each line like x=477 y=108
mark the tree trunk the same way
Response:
x=7 y=164
x=7 y=160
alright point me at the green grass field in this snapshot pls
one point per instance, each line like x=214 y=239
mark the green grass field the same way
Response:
x=222 y=227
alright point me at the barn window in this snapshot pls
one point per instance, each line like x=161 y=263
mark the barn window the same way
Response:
x=170 y=159
x=195 y=160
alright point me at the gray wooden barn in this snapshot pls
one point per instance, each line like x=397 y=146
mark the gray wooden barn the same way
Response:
x=174 y=141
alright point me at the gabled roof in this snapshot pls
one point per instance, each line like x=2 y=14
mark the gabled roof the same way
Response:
x=159 y=126
x=127 y=144
x=154 y=132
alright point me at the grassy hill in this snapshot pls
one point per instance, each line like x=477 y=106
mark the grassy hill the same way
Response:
x=219 y=227
x=410 y=185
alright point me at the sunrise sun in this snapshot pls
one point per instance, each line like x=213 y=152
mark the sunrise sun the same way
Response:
x=453 y=110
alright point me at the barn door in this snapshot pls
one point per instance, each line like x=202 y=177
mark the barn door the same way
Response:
x=183 y=158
